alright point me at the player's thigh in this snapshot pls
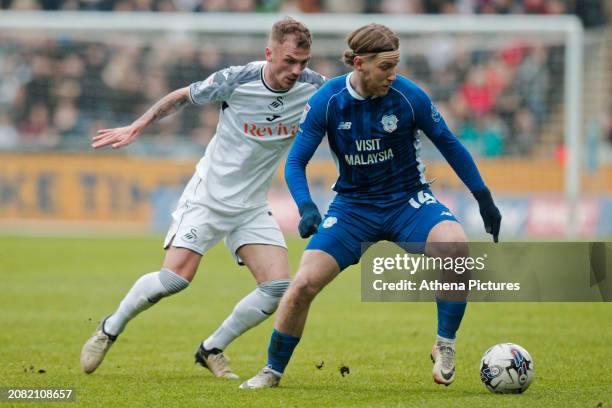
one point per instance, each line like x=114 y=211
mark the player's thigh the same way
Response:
x=344 y=230
x=447 y=239
x=195 y=228
x=182 y=261
x=317 y=268
x=266 y=262
x=413 y=222
x=257 y=242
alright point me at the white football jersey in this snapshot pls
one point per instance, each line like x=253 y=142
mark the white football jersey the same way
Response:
x=256 y=127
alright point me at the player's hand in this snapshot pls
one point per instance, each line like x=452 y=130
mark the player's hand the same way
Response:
x=489 y=212
x=311 y=218
x=117 y=137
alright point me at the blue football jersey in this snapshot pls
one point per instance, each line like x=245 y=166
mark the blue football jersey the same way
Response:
x=375 y=141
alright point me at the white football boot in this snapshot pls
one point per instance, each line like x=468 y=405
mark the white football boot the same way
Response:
x=95 y=348
x=264 y=379
x=443 y=357
x=215 y=361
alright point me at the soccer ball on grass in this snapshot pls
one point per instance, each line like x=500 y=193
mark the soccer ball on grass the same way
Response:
x=506 y=368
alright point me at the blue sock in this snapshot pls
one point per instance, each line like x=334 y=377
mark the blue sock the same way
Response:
x=449 y=317
x=280 y=350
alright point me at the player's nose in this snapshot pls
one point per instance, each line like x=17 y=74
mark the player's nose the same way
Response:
x=297 y=70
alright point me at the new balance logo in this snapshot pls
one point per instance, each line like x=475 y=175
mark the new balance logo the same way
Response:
x=344 y=126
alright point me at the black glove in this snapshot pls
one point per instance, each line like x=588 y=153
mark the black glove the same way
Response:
x=311 y=218
x=489 y=212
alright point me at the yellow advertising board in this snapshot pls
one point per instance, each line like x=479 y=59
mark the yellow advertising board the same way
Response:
x=115 y=191
x=84 y=187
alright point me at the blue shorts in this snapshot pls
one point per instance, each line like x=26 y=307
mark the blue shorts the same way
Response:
x=348 y=224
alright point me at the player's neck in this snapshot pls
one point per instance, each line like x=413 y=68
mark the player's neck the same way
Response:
x=358 y=85
x=270 y=80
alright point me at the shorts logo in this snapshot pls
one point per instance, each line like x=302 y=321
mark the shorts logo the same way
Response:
x=329 y=222
x=191 y=236
x=389 y=123
x=446 y=213
x=435 y=114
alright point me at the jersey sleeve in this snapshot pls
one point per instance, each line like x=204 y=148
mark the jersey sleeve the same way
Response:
x=311 y=131
x=431 y=122
x=216 y=88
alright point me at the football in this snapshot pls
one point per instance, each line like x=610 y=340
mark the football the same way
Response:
x=506 y=368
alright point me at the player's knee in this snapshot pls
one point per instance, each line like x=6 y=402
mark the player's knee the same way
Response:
x=303 y=290
x=171 y=282
x=263 y=300
x=457 y=249
x=275 y=288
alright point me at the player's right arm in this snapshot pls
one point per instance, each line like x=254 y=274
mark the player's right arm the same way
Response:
x=311 y=132
x=217 y=87
x=123 y=136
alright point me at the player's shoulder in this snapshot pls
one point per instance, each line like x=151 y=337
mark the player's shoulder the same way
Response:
x=416 y=96
x=241 y=74
x=312 y=77
x=332 y=88
x=407 y=87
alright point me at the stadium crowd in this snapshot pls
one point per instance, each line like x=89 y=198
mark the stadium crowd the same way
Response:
x=590 y=11
x=58 y=92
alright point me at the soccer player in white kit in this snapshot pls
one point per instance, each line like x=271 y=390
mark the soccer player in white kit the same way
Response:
x=261 y=105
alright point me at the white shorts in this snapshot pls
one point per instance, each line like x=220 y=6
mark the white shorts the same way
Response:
x=199 y=223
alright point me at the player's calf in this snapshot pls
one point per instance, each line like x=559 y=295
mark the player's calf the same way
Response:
x=253 y=309
x=147 y=291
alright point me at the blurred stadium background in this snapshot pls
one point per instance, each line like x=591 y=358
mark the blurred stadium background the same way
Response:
x=71 y=67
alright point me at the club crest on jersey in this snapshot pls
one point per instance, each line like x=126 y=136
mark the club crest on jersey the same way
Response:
x=277 y=105
x=389 y=123
x=435 y=114
x=329 y=222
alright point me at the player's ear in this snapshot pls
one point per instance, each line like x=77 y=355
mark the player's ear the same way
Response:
x=268 y=54
x=358 y=62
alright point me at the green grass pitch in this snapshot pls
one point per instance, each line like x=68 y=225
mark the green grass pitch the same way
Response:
x=53 y=291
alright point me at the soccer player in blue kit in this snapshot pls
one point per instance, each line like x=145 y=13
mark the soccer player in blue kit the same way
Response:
x=372 y=117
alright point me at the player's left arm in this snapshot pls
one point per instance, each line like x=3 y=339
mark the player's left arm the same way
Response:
x=310 y=134
x=429 y=119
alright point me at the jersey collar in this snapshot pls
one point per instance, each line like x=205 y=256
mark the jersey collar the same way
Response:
x=351 y=90
x=268 y=87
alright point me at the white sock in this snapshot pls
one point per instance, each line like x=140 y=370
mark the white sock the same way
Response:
x=444 y=340
x=147 y=291
x=253 y=309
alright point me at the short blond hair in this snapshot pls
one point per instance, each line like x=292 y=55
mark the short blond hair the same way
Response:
x=369 y=39
x=289 y=26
